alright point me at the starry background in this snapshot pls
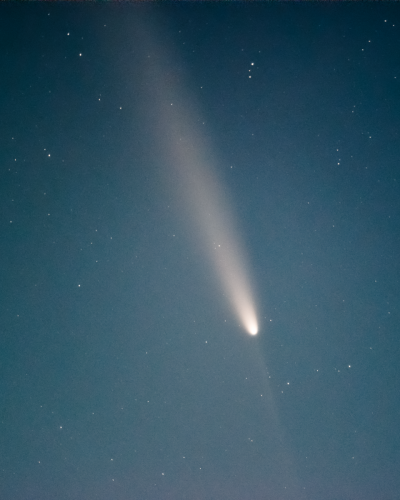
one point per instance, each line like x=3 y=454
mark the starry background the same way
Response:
x=124 y=374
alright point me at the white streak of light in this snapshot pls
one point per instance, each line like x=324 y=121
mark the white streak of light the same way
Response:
x=212 y=212
x=184 y=146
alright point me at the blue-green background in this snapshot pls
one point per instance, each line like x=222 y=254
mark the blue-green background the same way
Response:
x=124 y=374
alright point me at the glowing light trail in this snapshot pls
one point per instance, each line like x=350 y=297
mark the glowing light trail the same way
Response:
x=183 y=143
x=210 y=209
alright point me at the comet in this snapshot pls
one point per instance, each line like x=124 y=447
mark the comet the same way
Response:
x=194 y=177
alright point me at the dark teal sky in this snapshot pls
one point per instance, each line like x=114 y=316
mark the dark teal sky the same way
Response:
x=123 y=372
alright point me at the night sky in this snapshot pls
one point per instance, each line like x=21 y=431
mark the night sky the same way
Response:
x=124 y=371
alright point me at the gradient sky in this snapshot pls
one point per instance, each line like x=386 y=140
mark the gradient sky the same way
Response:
x=124 y=372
